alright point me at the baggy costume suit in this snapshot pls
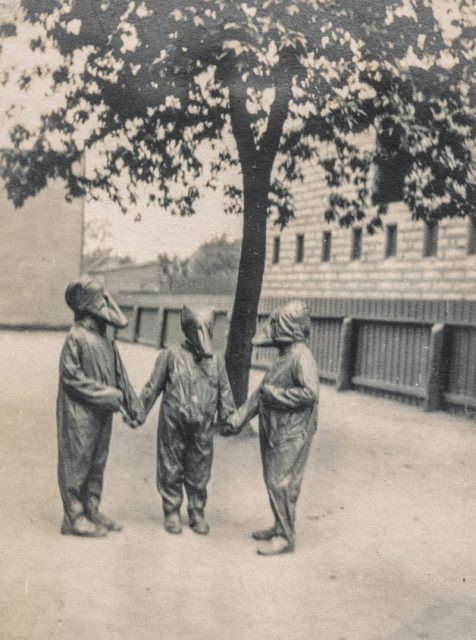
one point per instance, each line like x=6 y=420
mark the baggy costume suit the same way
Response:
x=195 y=388
x=93 y=384
x=286 y=403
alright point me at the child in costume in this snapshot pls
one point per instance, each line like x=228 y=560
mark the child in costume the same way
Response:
x=93 y=384
x=195 y=388
x=286 y=403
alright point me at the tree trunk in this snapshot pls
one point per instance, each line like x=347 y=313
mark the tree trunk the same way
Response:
x=250 y=277
x=256 y=166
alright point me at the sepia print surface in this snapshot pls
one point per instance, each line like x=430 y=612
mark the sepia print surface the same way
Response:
x=266 y=206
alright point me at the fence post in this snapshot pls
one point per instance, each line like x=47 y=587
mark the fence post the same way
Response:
x=161 y=326
x=135 y=323
x=433 y=390
x=344 y=365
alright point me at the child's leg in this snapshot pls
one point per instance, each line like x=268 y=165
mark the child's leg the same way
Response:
x=170 y=465
x=275 y=530
x=92 y=489
x=198 y=466
x=284 y=469
x=75 y=451
x=94 y=481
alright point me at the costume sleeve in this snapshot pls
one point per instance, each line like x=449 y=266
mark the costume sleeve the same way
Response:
x=156 y=383
x=79 y=386
x=304 y=394
x=246 y=412
x=131 y=402
x=226 y=403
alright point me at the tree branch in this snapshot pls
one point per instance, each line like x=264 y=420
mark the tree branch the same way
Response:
x=277 y=117
x=241 y=120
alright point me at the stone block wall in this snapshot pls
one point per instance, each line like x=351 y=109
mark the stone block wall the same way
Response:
x=450 y=274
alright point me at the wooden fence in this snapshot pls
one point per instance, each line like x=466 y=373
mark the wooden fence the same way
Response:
x=420 y=352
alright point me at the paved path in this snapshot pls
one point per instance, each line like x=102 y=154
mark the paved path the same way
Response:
x=386 y=528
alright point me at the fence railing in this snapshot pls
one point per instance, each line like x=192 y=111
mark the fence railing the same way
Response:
x=421 y=352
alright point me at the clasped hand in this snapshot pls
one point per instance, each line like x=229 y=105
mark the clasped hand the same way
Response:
x=230 y=427
x=133 y=423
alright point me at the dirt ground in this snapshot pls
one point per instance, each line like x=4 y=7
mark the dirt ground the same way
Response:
x=386 y=528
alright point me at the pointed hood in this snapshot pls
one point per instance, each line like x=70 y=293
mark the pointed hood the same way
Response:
x=87 y=295
x=290 y=323
x=197 y=325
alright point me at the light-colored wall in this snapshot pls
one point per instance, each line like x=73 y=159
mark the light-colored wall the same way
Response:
x=40 y=252
x=449 y=275
x=144 y=277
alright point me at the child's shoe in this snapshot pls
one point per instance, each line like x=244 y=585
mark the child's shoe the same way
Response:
x=172 y=523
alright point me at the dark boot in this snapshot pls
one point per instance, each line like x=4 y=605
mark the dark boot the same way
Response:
x=82 y=526
x=172 y=522
x=264 y=534
x=100 y=519
x=275 y=546
x=198 y=524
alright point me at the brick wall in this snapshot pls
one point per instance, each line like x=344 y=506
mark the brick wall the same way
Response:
x=40 y=252
x=451 y=274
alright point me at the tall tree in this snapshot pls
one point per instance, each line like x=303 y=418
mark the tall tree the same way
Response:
x=171 y=269
x=260 y=83
x=218 y=255
x=98 y=252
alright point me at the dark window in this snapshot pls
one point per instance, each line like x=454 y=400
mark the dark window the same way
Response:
x=389 y=177
x=326 y=246
x=391 y=241
x=392 y=164
x=276 y=249
x=356 y=249
x=472 y=237
x=300 y=248
x=430 y=240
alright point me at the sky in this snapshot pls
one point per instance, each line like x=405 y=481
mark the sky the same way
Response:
x=159 y=232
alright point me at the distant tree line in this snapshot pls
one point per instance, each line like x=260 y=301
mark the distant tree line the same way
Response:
x=212 y=269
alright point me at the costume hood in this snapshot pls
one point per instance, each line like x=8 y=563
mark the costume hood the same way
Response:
x=87 y=295
x=197 y=325
x=290 y=323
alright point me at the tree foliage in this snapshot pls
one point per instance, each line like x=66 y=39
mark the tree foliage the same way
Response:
x=218 y=255
x=171 y=270
x=149 y=82
x=211 y=269
x=98 y=252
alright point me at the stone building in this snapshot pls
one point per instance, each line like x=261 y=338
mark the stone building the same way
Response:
x=405 y=260
x=131 y=278
x=40 y=252
x=393 y=313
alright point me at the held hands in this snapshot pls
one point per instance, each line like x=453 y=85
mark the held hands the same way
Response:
x=133 y=423
x=231 y=427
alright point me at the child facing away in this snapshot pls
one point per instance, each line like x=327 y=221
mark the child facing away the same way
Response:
x=195 y=388
x=93 y=384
